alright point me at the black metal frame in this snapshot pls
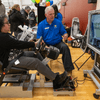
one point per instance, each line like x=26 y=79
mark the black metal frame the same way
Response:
x=10 y=67
x=83 y=62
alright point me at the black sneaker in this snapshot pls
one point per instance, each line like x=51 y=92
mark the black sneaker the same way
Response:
x=62 y=77
x=59 y=80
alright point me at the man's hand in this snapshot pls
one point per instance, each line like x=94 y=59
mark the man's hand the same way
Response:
x=36 y=43
x=42 y=42
x=65 y=36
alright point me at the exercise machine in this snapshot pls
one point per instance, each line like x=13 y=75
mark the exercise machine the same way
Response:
x=27 y=34
x=68 y=88
x=84 y=48
x=22 y=83
x=93 y=42
x=76 y=34
x=18 y=78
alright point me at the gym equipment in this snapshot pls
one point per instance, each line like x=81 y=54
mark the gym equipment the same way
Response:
x=68 y=89
x=93 y=42
x=95 y=71
x=17 y=78
x=76 y=34
x=27 y=34
x=83 y=46
x=23 y=82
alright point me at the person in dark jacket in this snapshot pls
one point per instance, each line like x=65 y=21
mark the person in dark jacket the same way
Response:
x=16 y=19
x=27 y=61
x=25 y=13
x=32 y=18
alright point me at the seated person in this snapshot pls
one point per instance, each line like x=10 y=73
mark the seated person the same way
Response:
x=27 y=61
x=52 y=31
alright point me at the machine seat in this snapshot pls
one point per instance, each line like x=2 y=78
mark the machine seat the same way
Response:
x=14 y=70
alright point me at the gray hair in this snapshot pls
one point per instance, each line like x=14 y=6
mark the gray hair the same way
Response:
x=27 y=8
x=48 y=9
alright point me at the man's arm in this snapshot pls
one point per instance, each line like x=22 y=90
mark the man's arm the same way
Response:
x=65 y=36
x=12 y=43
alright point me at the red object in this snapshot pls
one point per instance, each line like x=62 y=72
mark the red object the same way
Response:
x=69 y=38
x=4 y=73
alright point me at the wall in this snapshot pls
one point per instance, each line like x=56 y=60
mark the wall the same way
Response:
x=76 y=8
x=98 y=5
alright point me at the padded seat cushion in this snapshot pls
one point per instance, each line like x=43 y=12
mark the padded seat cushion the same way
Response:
x=13 y=70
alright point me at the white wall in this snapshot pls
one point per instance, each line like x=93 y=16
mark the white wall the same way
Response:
x=98 y=5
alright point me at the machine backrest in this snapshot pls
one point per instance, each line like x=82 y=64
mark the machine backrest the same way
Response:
x=75 y=27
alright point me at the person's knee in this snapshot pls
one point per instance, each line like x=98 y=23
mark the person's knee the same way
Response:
x=38 y=62
x=35 y=63
x=65 y=47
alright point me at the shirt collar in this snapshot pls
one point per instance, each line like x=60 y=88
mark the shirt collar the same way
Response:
x=48 y=23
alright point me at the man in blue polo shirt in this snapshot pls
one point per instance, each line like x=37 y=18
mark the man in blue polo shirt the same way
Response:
x=52 y=30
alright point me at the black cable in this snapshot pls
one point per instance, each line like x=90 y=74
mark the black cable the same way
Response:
x=59 y=62
x=77 y=81
x=89 y=78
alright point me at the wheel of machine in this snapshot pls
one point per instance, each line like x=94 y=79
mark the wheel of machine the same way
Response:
x=85 y=75
x=96 y=96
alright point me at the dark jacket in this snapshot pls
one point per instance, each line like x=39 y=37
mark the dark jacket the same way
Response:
x=32 y=14
x=25 y=15
x=8 y=42
x=16 y=19
x=32 y=19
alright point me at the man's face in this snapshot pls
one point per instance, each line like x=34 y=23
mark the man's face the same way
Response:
x=6 y=27
x=50 y=15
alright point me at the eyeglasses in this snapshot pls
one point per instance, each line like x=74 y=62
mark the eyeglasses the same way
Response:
x=6 y=23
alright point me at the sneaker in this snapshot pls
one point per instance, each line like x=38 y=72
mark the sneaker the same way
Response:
x=62 y=77
x=59 y=80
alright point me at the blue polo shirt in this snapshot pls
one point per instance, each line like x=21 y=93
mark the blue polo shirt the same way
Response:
x=52 y=34
x=59 y=16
